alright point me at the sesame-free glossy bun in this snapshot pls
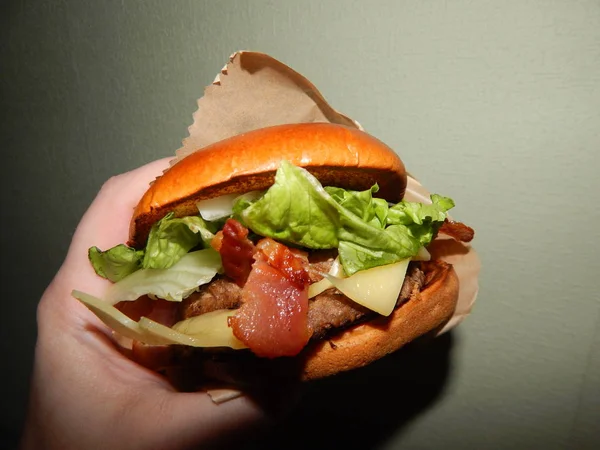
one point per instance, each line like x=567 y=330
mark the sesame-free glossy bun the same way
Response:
x=335 y=154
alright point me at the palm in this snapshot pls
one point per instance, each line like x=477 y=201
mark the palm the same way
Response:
x=84 y=389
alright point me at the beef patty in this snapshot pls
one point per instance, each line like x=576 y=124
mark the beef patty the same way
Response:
x=330 y=310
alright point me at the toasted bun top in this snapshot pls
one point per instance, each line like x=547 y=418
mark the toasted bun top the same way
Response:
x=335 y=154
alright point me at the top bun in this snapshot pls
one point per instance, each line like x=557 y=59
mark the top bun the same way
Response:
x=334 y=154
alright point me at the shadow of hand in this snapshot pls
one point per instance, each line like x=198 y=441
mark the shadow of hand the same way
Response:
x=366 y=407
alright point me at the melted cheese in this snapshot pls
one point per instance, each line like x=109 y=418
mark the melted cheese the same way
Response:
x=166 y=334
x=321 y=286
x=211 y=329
x=423 y=255
x=207 y=330
x=377 y=288
x=116 y=320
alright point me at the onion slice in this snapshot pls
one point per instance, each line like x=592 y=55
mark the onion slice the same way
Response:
x=216 y=208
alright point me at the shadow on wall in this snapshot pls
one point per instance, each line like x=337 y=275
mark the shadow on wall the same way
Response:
x=366 y=407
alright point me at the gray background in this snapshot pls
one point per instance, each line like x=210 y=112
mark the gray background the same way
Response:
x=496 y=104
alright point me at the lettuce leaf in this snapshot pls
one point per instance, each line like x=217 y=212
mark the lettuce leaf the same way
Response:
x=175 y=283
x=366 y=231
x=362 y=203
x=408 y=213
x=421 y=219
x=171 y=238
x=116 y=263
x=295 y=209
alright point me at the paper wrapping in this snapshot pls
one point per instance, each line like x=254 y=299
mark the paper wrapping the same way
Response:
x=254 y=90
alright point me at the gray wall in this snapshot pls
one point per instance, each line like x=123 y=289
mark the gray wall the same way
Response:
x=496 y=104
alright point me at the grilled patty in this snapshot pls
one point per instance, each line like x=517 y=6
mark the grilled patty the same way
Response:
x=330 y=310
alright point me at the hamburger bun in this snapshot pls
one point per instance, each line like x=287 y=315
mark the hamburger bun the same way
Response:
x=365 y=343
x=334 y=154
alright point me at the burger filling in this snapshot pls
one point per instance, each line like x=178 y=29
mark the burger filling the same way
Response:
x=329 y=311
x=269 y=271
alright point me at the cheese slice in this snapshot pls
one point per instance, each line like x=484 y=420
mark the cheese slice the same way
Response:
x=321 y=286
x=171 y=336
x=423 y=255
x=207 y=330
x=211 y=329
x=377 y=288
x=116 y=320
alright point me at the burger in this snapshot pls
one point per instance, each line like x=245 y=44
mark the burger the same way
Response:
x=289 y=243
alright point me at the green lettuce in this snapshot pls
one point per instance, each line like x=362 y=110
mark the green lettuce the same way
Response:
x=362 y=204
x=169 y=240
x=422 y=219
x=298 y=210
x=116 y=263
x=175 y=283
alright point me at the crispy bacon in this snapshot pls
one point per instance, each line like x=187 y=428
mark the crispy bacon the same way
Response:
x=236 y=251
x=217 y=241
x=292 y=264
x=273 y=319
x=457 y=230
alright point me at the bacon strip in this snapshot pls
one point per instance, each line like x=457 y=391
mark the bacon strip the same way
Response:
x=293 y=264
x=457 y=230
x=273 y=319
x=236 y=251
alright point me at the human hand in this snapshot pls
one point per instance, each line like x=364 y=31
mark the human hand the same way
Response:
x=85 y=393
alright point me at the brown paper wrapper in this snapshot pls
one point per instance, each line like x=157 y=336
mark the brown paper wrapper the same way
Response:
x=255 y=91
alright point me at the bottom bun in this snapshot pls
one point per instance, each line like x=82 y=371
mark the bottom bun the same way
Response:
x=363 y=344
x=426 y=312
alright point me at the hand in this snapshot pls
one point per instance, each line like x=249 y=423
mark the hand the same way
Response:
x=84 y=392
